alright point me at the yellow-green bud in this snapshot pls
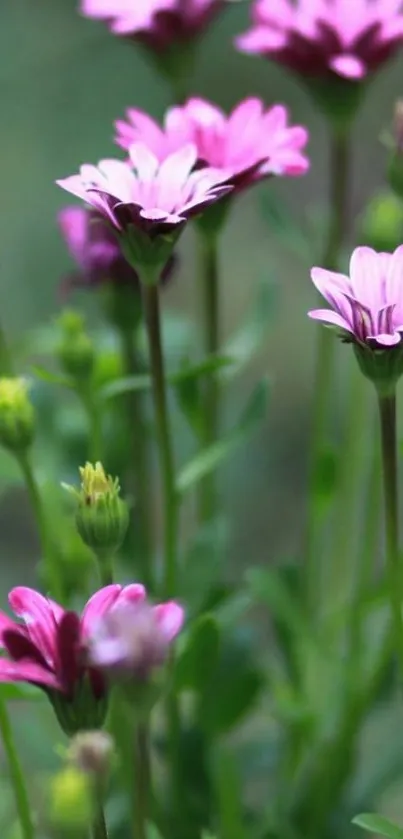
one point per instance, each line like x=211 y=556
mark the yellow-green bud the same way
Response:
x=102 y=516
x=382 y=222
x=71 y=800
x=17 y=418
x=75 y=350
x=91 y=752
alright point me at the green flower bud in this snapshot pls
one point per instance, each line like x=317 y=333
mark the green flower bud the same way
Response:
x=71 y=800
x=17 y=418
x=102 y=516
x=382 y=222
x=92 y=752
x=75 y=351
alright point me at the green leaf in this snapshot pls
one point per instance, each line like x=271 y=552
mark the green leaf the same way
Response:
x=283 y=224
x=209 y=365
x=203 y=561
x=196 y=662
x=209 y=459
x=253 y=333
x=125 y=384
x=378 y=824
x=228 y=791
x=52 y=378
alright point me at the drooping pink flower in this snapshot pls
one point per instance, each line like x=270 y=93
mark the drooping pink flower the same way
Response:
x=134 y=638
x=249 y=144
x=366 y=306
x=155 y=197
x=157 y=23
x=48 y=648
x=349 y=38
x=96 y=251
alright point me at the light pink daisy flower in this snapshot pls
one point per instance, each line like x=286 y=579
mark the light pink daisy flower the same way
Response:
x=349 y=38
x=144 y=193
x=366 y=306
x=249 y=144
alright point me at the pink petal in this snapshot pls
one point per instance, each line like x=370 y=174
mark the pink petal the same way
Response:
x=97 y=605
x=38 y=614
x=73 y=223
x=331 y=318
x=26 y=671
x=74 y=185
x=170 y=617
x=348 y=66
x=386 y=340
x=144 y=161
x=327 y=282
x=133 y=593
x=261 y=39
x=7 y=623
x=366 y=277
x=394 y=278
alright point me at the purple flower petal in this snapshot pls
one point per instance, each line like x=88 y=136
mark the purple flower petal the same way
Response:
x=170 y=617
x=331 y=318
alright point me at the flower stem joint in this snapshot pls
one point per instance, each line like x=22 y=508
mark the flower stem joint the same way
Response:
x=17 y=418
x=102 y=517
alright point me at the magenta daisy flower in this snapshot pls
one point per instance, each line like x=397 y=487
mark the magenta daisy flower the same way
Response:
x=48 y=649
x=315 y=37
x=160 y=24
x=249 y=144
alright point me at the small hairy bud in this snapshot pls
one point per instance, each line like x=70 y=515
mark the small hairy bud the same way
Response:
x=91 y=752
x=102 y=516
x=17 y=418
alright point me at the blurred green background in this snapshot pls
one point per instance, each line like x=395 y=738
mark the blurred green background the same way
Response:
x=63 y=80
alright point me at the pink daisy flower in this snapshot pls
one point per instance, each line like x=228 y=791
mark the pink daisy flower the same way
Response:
x=157 y=23
x=348 y=38
x=249 y=144
x=48 y=648
x=366 y=306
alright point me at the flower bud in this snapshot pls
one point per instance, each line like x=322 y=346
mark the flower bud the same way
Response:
x=91 y=752
x=383 y=367
x=17 y=418
x=395 y=165
x=75 y=350
x=71 y=801
x=102 y=516
x=382 y=222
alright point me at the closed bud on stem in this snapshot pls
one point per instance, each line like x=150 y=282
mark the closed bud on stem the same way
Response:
x=395 y=164
x=381 y=224
x=91 y=752
x=17 y=418
x=71 y=801
x=383 y=367
x=75 y=350
x=102 y=516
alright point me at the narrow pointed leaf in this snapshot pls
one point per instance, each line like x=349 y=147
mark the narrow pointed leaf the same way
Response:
x=378 y=825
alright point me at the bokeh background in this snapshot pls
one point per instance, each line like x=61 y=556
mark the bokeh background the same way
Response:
x=63 y=80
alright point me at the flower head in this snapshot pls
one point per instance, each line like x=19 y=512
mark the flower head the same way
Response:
x=133 y=639
x=250 y=143
x=102 y=516
x=367 y=305
x=47 y=649
x=316 y=37
x=157 y=23
x=367 y=310
x=147 y=201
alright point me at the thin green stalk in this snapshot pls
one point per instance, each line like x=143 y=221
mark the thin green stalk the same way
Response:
x=51 y=575
x=94 y=414
x=141 y=799
x=164 y=438
x=387 y=415
x=16 y=775
x=138 y=467
x=99 y=828
x=323 y=386
x=211 y=338
x=6 y=366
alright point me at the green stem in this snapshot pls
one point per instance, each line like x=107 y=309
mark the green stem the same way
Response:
x=94 y=414
x=6 y=366
x=387 y=414
x=50 y=563
x=211 y=332
x=164 y=437
x=323 y=387
x=16 y=775
x=99 y=828
x=139 y=472
x=141 y=801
